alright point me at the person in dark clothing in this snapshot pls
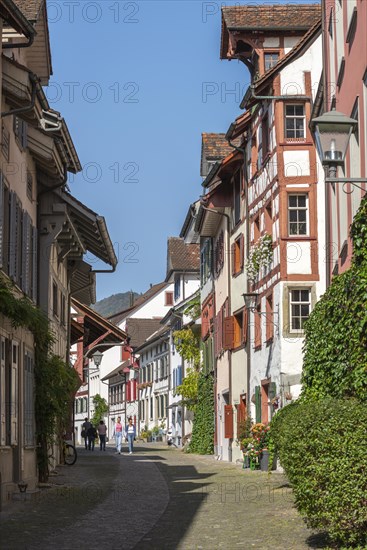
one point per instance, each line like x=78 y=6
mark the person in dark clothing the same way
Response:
x=85 y=427
x=102 y=431
x=91 y=434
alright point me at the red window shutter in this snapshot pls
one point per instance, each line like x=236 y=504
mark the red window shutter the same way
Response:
x=233 y=258
x=216 y=346
x=228 y=333
x=220 y=330
x=241 y=251
x=228 y=421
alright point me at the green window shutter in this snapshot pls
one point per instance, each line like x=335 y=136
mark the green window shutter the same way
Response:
x=258 y=403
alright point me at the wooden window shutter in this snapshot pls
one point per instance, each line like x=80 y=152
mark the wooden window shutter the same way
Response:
x=34 y=263
x=242 y=252
x=205 y=358
x=210 y=354
x=2 y=392
x=2 y=218
x=25 y=252
x=14 y=394
x=228 y=333
x=233 y=258
x=258 y=403
x=12 y=235
x=228 y=421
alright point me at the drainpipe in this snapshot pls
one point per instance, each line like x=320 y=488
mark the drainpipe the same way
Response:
x=281 y=97
x=229 y=308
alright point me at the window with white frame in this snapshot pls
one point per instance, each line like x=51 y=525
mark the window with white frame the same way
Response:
x=294 y=121
x=300 y=308
x=270 y=59
x=298 y=214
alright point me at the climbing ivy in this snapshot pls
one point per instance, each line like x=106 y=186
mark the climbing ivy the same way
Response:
x=202 y=441
x=55 y=382
x=335 y=348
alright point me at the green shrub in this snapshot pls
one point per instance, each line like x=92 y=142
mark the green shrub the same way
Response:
x=322 y=448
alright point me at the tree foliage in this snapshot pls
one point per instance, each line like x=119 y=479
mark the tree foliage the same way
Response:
x=187 y=344
x=100 y=409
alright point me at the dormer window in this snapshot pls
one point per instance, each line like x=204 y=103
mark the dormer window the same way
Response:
x=270 y=59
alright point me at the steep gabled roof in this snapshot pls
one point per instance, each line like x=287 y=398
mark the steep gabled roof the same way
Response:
x=182 y=256
x=150 y=293
x=276 y=18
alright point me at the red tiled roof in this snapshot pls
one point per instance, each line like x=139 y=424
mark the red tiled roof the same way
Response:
x=182 y=256
x=30 y=8
x=215 y=146
x=285 y=17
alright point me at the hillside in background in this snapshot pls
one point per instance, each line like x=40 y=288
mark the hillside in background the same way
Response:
x=115 y=303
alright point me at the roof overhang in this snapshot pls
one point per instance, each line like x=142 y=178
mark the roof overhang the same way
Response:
x=16 y=25
x=83 y=282
x=91 y=228
x=22 y=89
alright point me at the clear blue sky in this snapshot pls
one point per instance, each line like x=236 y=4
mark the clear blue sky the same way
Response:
x=131 y=78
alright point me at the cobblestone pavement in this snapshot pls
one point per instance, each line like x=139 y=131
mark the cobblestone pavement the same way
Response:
x=157 y=498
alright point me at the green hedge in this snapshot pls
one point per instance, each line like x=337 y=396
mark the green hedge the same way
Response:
x=322 y=448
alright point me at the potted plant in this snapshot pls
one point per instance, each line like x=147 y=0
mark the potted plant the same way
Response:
x=155 y=432
x=245 y=443
x=149 y=436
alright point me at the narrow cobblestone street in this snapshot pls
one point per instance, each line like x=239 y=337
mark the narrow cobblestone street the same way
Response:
x=157 y=498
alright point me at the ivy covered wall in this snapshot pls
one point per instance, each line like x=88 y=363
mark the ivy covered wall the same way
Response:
x=335 y=348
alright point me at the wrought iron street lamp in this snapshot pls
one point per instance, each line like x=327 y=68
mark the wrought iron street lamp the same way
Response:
x=251 y=300
x=332 y=134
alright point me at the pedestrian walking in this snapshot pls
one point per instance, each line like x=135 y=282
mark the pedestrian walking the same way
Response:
x=118 y=435
x=85 y=427
x=102 y=431
x=130 y=434
x=91 y=434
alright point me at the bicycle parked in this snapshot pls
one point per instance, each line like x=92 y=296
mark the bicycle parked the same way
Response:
x=70 y=454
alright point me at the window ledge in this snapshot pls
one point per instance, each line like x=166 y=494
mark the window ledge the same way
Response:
x=298 y=238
